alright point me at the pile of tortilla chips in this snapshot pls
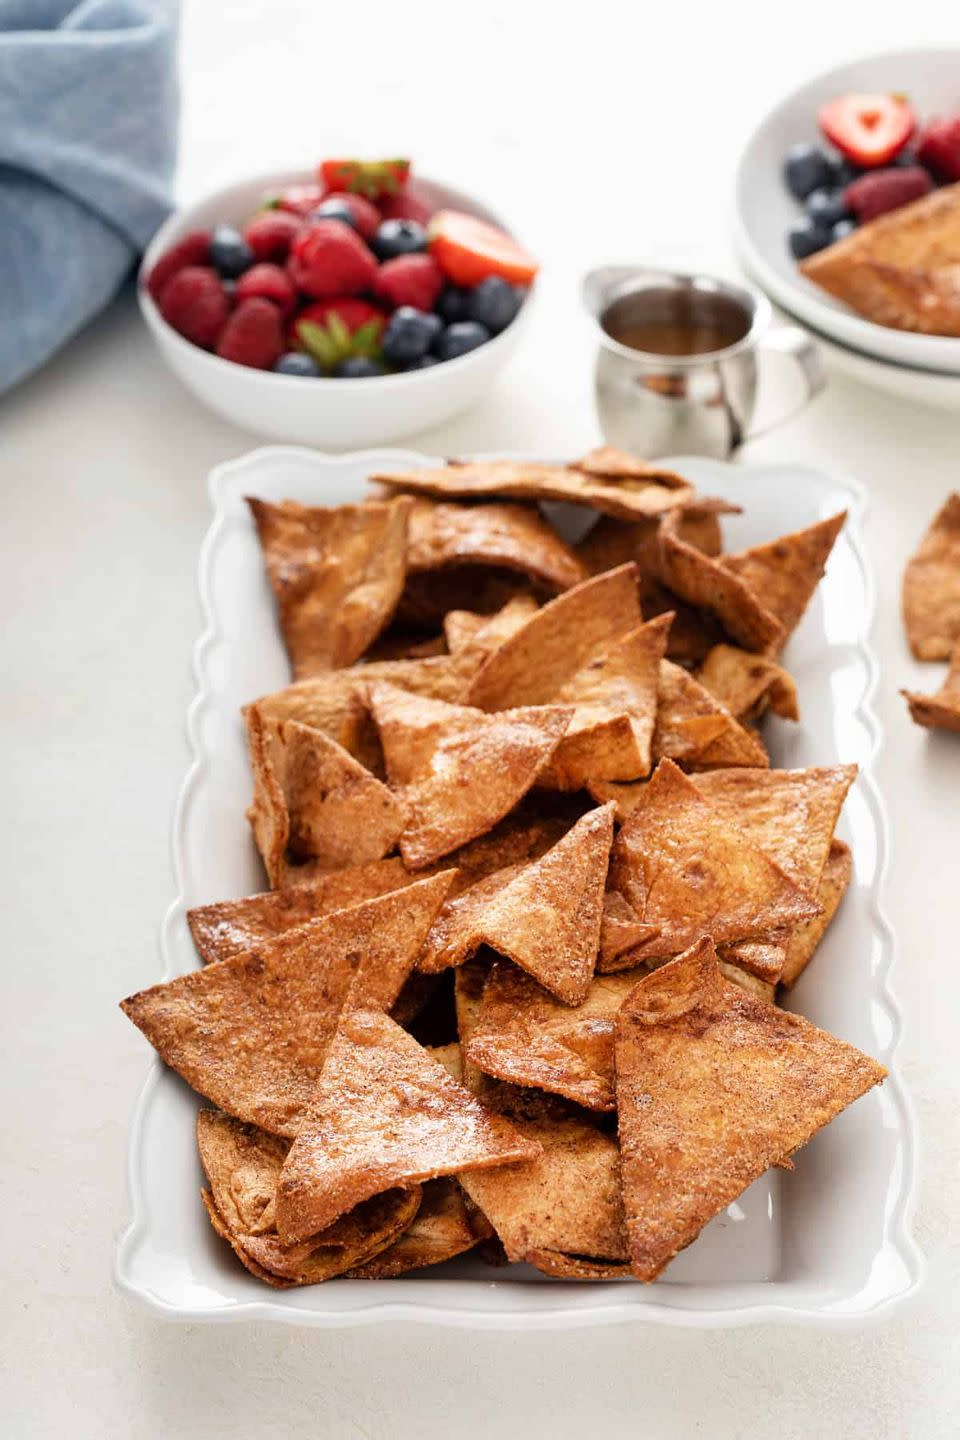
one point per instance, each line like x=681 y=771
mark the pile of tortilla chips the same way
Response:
x=535 y=889
x=931 y=612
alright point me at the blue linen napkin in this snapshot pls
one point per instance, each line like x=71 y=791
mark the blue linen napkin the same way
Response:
x=88 y=122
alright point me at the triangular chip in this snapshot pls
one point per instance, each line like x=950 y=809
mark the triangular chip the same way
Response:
x=785 y=572
x=710 y=585
x=532 y=665
x=931 y=586
x=313 y=799
x=231 y=926
x=455 y=934
x=250 y=1033
x=547 y=919
x=713 y=1087
x=337 y=575
x=763 y=959
x=463 y=628
x=383 y=1114
x=749 y=685
x=684 y=866
x=615 y=695
x=694 y=727
x=513 y=537
x=576 y=1267
x=243 y=1164
x=620 y=928
x=940 y=711
x=791 y=814
x=802 y=941
x=445 y=1225
x=649 y=493
x=458 y=770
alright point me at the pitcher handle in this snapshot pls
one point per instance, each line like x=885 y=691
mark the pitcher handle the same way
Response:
x=796 y=345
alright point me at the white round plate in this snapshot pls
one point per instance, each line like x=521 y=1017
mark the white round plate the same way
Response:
x=765 y=210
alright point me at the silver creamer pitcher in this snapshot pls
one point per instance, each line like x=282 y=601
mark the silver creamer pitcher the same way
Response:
x=677 y=360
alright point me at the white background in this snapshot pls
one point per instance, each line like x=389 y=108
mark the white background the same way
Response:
x=604 y=133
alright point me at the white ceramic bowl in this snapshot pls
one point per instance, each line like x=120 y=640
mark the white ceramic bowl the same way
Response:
x=329 y=413
x=765 y=210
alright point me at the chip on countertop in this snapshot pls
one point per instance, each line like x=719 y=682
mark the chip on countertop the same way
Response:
x=940 y=711
x=931 y=586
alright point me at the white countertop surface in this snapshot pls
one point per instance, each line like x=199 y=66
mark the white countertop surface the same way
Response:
x=609 y=134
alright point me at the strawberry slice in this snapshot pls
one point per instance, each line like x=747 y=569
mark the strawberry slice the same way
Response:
x=373 y=178
x=868 y=129
x=468 y=250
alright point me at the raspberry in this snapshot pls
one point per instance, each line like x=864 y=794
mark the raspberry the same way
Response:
x=328 y=259
x=195 y=303
x=269 y=282
x=409 y=280
x=939 y=147
x=366 y=216
x=253 y=335
x=193 y=249
x=880 y=191
x=270 y=233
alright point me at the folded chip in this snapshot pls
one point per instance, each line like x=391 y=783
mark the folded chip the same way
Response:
x=313 y=799
x=532 y=665
x=445 y=1225
x=931 y=586
x=713 y=1087
x=785 y=572
x=749 y=685
x=709 y=585
x=242 y=1164
x=940 y=711
x=250 y=1033
x=513 y=537
x=337 y=575
x=684 y=866
x=802 y=940
x=457 y=770
x=384 y=1114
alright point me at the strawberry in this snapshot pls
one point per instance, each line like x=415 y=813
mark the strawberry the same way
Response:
x=882 y=190
x=405 y=206
x=333 y=330
x=195 y=303
x=939 y=147
x=299 y=199
x=868 y=129
x=409 y=280
x=253 y=335
x=372 y=178
x=269 y=282
x=270 y=233
x=328 y=258
x=468 y=250
x=193 y=249
x=366 y=216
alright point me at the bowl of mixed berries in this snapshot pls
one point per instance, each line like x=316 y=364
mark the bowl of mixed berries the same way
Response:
x=346 y=306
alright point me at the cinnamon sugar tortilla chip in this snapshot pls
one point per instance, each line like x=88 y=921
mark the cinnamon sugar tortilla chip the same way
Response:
x=940 y=711
x=749 y=685
x=576 y=1267
x=608 y=463
x=313 y=798
x=620 y=928
x=547 y=918
x=931 y=586
x=785 y=572
x=763 y=989
x=457 y=770
x=802 y=941
x=791 y=814
x=611 y=542
x=694 y=727
x=336 y=574
x=444 y=1226
x=685 y=867
x=650 y=493
x=250 y=1033
x=763 y=959
x=468 y=628
x=531 y=666
x=713 y=1087
x=243 y=1165
x=508 y=536
x=455 y=934
x=710 y=585
x=383 y=1114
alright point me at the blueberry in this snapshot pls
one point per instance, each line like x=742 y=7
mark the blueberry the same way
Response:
x=296 y=363
x=357 y=367
x=454 y=305
x=334 y=209
x=844 y=172
x=398 y=237
x=423 y=363
x=409 y=334
x=494 y=303
x=842 y=229
x=459 y=339
x=826 y=207
x=229 y=252
x=806 y=238
x=806 y=168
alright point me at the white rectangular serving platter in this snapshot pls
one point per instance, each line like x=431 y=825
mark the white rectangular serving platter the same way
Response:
x=825 y=1244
